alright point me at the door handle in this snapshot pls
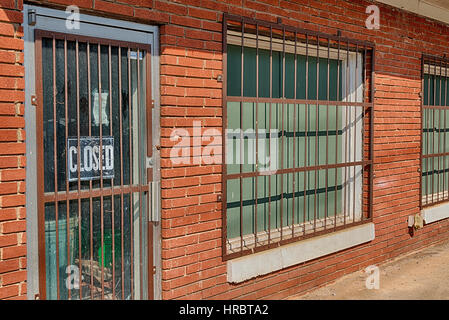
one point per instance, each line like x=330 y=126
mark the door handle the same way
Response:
x=154 y=214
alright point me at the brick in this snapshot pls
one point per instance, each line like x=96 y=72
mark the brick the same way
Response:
x=12 y=200
x=8 y=240
x=11 y=43
x=113 y=8
x=9 y=265
x=13 y=252
x=14 y=277
x=9 y=291
x=12 y=175
x=13 y=227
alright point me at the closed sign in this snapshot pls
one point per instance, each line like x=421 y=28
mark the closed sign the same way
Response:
x=94 y=158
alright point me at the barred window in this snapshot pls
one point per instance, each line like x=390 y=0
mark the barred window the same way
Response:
x=435 y=135
x=297 y=118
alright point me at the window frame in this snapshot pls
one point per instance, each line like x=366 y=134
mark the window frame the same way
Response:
x=434 y=65
x=367 y=102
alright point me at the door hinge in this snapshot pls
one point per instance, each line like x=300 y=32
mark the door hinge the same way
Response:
x=154 y=270
x=34 y=100
x=150 y=162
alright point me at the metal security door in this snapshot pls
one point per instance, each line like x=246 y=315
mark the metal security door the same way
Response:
x=93 y=138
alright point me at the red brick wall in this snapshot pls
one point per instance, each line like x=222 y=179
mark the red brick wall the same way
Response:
x=12 y=153
x=190 y=61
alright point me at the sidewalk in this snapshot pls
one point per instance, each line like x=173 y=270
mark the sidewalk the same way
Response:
x=420 y=275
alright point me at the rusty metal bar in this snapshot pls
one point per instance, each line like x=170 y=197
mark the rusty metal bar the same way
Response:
x=363 y=133
x=270 y=125
x=445 y=128
x=100 y=114
x=327 y=135
x=242 y=141
x=78 y=133
x=131 y=177
x=257 y=134
x=90 y=182
x=112 y=180
x=66 y=134
x=122 y=246
x=355 y=131
x=55 y=159
x=323 y=103
x=345 y=212
x=305 y=131
x=283 y=132
x=295 y=86
x=336 y=135
x=317 y=115
x=140 y=177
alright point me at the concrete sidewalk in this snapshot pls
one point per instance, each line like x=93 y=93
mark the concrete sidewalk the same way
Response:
x=420 y=275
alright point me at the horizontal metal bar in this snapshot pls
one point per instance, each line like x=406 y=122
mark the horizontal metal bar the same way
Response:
x=299 y=169
x=432 y=58
x=246 y=20
x=245 y=252
x=435 y=155
x=84 y=194
x=299 y=101
x=436 y=107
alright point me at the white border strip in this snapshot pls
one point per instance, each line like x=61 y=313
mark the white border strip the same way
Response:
x=435 y=213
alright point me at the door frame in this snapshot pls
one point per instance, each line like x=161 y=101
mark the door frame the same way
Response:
x=97 y=27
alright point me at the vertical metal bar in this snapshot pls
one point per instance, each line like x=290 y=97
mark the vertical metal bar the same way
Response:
x=363 y=131
x=327 y=135
x=316 y=212
x=346 y=180
x=66 y=161
x=433 y=128
x=337 y=134
x=269 y=144
x=40 y=168
x=445 y=126
x=242 y=141
x=55 y=159
x=224 y=140
x=294 y=137
x=422 y=177
x=140 y=178
x=90 y=181
x=257 y=135
x=283 y=131
x=100 y=113
x=131 y=177
x=78 y=133
x=112 y=180
x=428 y=136
x=306 y=173
x=149 y=172
x=439 y=136
x=355 y=129
x=121 y=170
x=373 y=74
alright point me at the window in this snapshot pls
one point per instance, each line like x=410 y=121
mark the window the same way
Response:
x=297 y=129
x=435 y=125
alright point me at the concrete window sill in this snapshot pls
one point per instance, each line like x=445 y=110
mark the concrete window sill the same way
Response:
x=435 y=213
x=251 y=266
